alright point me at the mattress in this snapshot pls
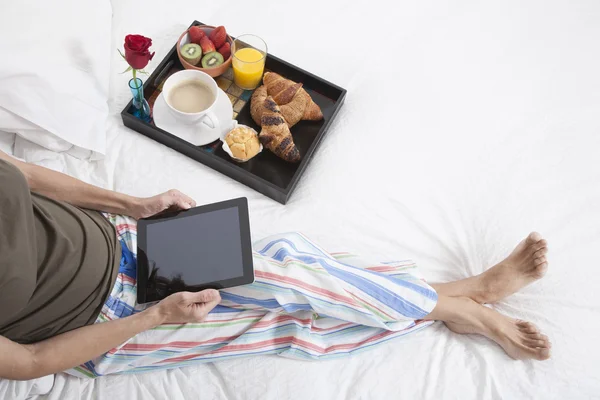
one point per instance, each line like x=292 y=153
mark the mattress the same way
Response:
x=466 y=126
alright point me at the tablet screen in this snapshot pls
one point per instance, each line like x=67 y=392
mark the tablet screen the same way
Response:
x=194 y=250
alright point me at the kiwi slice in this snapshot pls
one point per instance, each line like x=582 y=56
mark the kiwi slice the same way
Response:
x=212 y=59
x=191 y=53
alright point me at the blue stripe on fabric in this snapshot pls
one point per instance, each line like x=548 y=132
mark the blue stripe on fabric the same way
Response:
x=430 y=294
x=118 y=307
x=318 y=299
x=291 y=244
x=391 y=299
x=128 y=265
x=424 y=291
x=219 y=309
x=92 y=368
x=268 y=304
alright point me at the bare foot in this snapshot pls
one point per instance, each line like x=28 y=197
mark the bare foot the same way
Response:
x=526 y=264
x=521 y=340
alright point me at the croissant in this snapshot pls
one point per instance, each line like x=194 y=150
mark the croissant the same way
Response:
x=257 y=102
x=275 y=134
x=285 y=91
x=292 y=110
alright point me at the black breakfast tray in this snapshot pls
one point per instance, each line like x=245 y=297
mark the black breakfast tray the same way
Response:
x=265 y=173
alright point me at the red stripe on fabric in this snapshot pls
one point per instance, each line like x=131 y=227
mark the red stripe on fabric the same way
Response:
x=106 y=316
x=312 y=346
x=299 y=283
x=284 y=340
x=179 y=344
x=186 y=344
x=126 y=227
x=280 y=318
x=373 y=306
x=382 y=268
x=124 y=278
x=285 y=318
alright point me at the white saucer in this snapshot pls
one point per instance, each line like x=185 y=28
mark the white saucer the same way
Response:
x=197 y=134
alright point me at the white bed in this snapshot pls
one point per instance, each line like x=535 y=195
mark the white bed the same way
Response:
x=465 y=127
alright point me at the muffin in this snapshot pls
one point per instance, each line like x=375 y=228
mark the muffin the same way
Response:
x=243 y=143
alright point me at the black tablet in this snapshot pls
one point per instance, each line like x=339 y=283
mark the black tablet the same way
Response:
x=192 y=250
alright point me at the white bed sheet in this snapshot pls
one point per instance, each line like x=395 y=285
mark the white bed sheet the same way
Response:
x=465 y=127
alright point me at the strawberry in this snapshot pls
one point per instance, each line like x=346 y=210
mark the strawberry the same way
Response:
x=196 y=33
x=218 y=36
x=207 y=45
x=225 y=50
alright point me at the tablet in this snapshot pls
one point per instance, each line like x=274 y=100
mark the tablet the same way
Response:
x=192 y=250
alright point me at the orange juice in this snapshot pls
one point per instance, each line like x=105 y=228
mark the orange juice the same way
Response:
x=248 y=66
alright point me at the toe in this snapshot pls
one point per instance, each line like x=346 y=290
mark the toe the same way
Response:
x=540 y=270
x=532 y=343
x=536 y=353
x=534 y=336
x=533 y=237
x=542 y=244
x=542 y=354
x=545 y=342
x=527 y=327
x=539 y=260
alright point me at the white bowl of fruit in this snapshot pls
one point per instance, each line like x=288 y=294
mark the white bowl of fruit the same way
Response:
x=205 y=48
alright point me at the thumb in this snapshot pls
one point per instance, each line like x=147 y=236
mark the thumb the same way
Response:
x=207 y=296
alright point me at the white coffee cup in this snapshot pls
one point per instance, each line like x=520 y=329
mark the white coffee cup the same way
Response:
x=208 y=116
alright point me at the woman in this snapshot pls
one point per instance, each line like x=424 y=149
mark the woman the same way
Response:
x=67 y=291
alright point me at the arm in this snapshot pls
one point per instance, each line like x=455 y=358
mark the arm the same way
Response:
x=73 y=348
x=58 y=186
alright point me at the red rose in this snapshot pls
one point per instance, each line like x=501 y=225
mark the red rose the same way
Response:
x=136 y=51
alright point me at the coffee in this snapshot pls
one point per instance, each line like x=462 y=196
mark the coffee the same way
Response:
x=191 y=96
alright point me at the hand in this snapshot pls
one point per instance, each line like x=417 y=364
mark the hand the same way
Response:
x=173 y=200
x=184 y=307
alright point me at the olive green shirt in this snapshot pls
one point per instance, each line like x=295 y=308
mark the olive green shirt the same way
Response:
x=58 y=262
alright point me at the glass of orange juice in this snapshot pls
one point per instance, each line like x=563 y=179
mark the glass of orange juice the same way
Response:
x=249 y=55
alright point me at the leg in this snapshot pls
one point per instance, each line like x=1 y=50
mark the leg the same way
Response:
x=304 y=304
x=294 y=274
x=519 y=339
x=526 y=264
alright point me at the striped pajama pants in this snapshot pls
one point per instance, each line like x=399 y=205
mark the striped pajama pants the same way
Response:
x=305 y=303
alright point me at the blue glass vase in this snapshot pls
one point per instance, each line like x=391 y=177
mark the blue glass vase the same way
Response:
x=141 y=107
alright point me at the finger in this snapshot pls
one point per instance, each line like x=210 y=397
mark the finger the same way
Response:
x=182 y=204
x=188 y=199
x=206 y=296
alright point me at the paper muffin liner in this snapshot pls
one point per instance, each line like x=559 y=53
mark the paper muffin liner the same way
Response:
x=228 y=150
